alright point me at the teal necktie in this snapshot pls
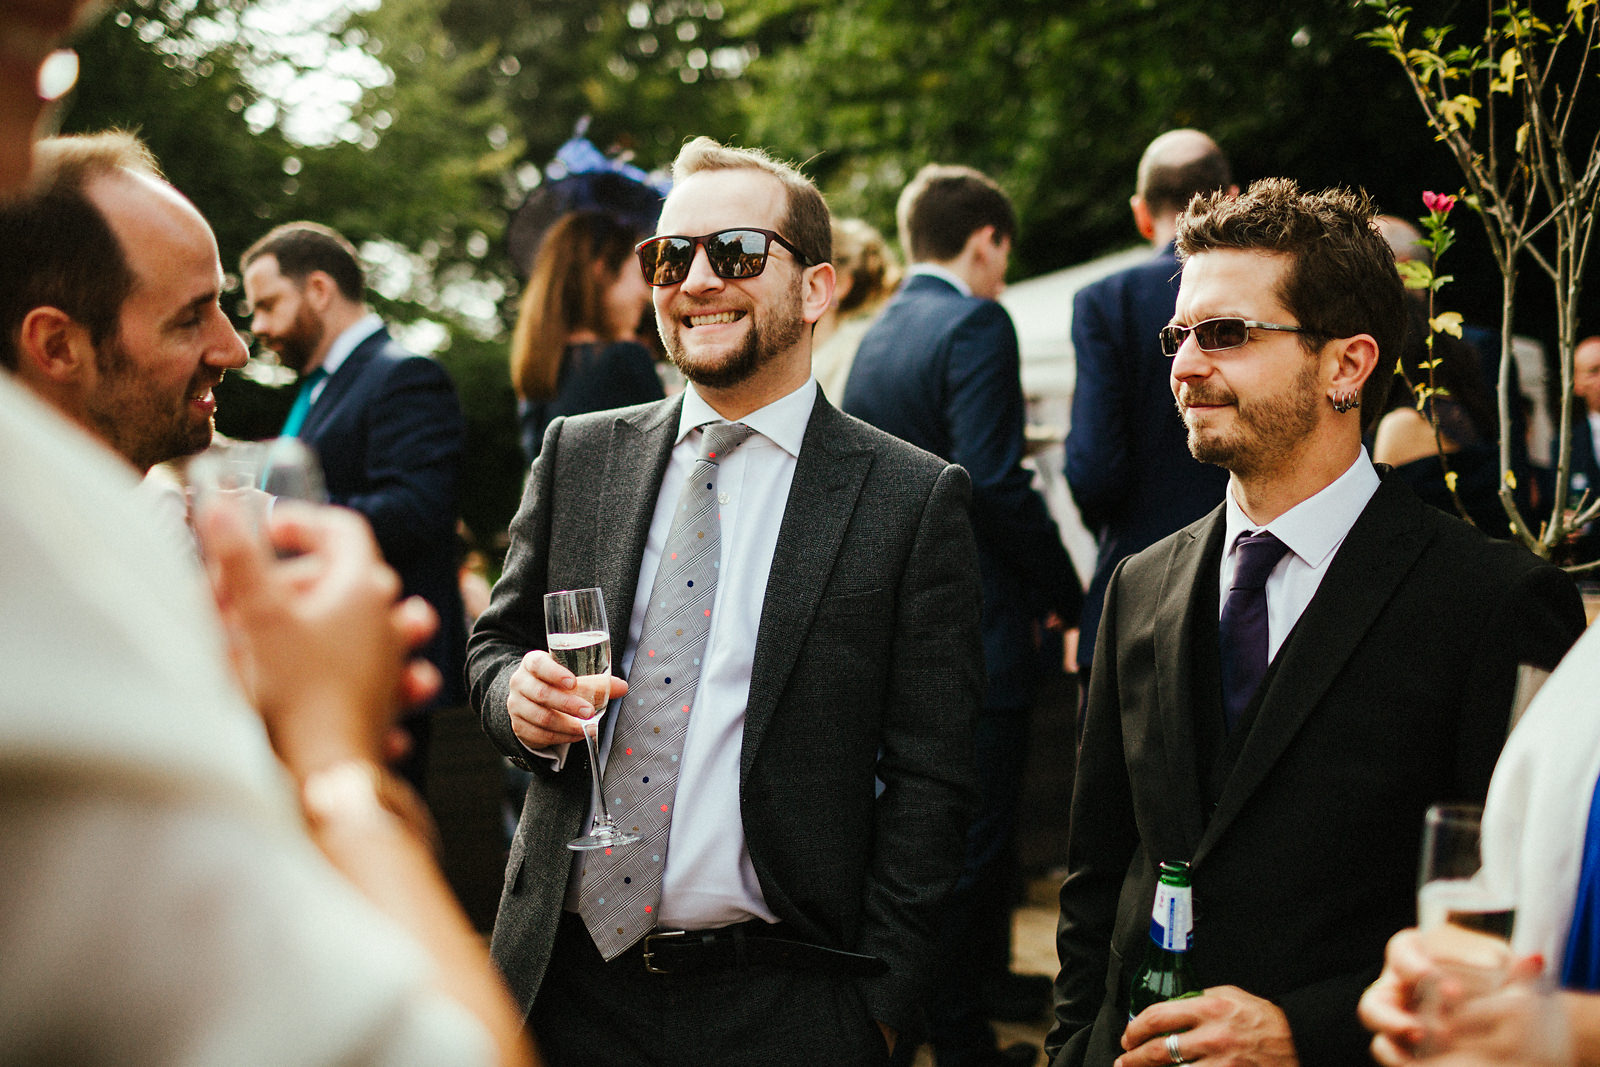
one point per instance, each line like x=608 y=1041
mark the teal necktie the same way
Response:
x=302 y=403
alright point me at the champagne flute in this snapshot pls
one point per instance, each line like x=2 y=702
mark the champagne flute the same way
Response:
x=580 y=640
x=1465 y=912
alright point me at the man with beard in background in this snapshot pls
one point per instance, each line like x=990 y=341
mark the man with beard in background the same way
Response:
x=384 y=422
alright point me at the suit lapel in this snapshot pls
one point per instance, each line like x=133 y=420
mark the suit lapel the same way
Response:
x=636 y=460
x=341 y=381
x=1175 y=652
x=1366 y=571
x=828 y=477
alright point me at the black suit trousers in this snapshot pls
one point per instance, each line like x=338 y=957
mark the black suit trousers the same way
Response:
x=590 y=1013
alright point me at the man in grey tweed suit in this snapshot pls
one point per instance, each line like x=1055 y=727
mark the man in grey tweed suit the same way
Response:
x=825 y=781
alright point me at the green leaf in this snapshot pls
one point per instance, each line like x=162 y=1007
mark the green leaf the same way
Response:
x=1415 y=274
x=1459 y=109
x=1446 y=322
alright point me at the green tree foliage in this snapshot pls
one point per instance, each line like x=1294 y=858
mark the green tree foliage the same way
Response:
x=1509 y=102
x=1058 y=100
x=164 y=78
x=473 y=96
x=649 y=73
x=420 y=176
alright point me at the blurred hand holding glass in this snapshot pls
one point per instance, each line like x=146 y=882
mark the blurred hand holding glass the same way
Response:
x=253 y=474
x=1477 y=1003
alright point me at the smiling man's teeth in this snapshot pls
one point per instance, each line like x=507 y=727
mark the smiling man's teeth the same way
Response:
x=712 y=320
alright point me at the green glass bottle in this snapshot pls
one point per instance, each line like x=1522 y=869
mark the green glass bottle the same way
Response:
x=1165 y=972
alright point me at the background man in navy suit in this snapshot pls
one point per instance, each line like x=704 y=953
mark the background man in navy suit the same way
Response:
x=1128 y=463
x=940 y=369
x=1290 y=754
x=384 y=421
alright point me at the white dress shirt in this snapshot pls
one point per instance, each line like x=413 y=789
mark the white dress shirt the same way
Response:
x=343 y=345
x=709 y=881
x=934 y=270
x=1313 y=529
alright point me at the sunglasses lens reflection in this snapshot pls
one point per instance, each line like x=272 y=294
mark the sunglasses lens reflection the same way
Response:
x=1212 y=335
x=731 y=253
x=737 y=253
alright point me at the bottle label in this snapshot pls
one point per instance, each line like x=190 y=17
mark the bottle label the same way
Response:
x=1172 y=920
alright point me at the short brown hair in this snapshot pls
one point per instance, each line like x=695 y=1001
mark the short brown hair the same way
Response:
x=945 y=205
x=1341 y=279
x=303 y=247
x=806 y=224
x=565 y=294
x=56 y=247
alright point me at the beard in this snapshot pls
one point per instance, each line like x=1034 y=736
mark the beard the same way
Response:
x=1264 y=432
x=770 y=334
x=296 y=347
x=143 y=424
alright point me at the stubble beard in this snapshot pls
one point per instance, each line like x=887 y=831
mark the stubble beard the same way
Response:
x=296 y=347
x=775 y=332
x=1265 y=432
x=142 y=426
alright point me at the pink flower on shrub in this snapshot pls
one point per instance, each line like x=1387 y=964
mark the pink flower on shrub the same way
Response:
x=1438 y=202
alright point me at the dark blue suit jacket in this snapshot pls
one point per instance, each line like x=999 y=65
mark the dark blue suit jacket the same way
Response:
x=940 y=370
x=390 y=434
x=1128 y=461
x=1583 y=475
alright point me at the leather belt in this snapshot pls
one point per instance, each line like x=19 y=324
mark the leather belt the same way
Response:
x=745 y=944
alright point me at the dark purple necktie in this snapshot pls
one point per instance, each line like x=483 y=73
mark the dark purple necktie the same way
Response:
x=1242 y=630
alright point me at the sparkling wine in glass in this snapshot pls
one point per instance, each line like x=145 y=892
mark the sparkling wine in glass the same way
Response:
x=579 y=640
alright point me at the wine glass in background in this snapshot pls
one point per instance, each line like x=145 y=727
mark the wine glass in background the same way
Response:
x=255 y=473
x=580 y=640
x=1465 y=912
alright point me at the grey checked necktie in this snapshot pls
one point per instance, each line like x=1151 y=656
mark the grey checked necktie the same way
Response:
x=618 y=894
x=1242 y=630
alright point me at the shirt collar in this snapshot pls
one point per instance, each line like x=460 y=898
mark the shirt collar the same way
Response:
x=934 y=270
x=1317 y=525
x=783 y=421
x=346 y=342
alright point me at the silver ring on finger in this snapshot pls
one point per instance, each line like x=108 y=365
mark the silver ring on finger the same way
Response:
x=1173 y=1050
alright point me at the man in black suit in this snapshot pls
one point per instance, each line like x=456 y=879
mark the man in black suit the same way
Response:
x=778 y=905
x=1128 y=461
x=384 y=422
x=940 y=369
x=1284 y=734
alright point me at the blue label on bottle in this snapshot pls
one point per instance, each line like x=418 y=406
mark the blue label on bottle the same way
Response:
x=1172 y=919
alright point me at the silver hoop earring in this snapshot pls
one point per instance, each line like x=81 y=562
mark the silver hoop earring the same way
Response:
x=1343 y=402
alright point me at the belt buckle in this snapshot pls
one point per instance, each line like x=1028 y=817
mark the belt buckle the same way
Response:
x=649 y=953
